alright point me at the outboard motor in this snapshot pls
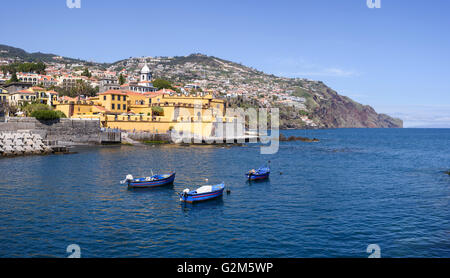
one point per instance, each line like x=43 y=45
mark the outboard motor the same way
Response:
x=128 y=178
x=185 y=193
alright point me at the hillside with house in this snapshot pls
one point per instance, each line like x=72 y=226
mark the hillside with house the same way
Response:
x=303 y=103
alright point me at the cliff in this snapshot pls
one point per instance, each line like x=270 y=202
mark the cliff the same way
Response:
x=323 y=107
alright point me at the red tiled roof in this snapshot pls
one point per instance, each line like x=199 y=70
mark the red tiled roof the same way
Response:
x=68 y=98
x=101 y=108
x=25 y=92
x=154 y=94
x=134 y=93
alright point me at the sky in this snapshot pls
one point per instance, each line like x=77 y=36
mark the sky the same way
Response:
x=395 y=58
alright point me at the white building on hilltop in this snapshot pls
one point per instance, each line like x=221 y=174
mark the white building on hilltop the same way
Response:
x=144 y=85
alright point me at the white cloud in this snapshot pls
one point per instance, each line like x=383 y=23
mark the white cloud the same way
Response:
x=419 y=115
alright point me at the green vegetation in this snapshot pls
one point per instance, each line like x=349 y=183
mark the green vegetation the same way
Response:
x=121 y=79
x=14 y=52
x=448 y=172
x=157 y=111
x=13 y=78
x=162 y=84
x=311 y=104
x=25 y=67
x=303 y=113
x=29 y=108
x=241 y=102
x=47 y=115
x=41 y=111
x=300 y=92
x=86 y=73
x=80 y=88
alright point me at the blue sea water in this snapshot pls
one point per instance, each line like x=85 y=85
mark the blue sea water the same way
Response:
x=328 y=199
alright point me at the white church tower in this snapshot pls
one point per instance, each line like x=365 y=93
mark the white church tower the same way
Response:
x=144 y=85
x=146 y=75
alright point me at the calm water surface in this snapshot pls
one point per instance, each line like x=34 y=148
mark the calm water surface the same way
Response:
x=328 y=199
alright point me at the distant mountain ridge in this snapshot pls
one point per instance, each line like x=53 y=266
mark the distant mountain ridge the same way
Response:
x=20 y=54
x=323 y=105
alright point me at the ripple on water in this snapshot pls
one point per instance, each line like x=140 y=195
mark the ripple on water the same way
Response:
x=326 y=199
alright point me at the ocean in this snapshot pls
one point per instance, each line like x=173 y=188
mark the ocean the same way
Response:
x=332 y=198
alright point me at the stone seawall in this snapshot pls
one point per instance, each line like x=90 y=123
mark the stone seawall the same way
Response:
x=63 y=130
x=148 y=136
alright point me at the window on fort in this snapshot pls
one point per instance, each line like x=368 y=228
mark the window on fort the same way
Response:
x=124 y=107
x=112 y=97
x=113 y=106
x=104 y=97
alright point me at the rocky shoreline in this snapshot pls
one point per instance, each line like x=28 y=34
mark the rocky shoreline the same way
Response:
x=297 y=138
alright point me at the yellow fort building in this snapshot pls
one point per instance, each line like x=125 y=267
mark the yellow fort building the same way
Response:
x=156 y=112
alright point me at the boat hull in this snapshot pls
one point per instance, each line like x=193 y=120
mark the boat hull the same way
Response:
x=195 y=198
x=155 y=183
x=258 y=177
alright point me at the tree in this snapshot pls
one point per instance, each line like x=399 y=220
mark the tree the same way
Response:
x=121 y=79
x=162 y=84
x=9 y=109
x=13 y=78
x=48 y=115
x=157 y=111
x=86 y=73
x=80 y=88
x=25 y=67
x=28 y=109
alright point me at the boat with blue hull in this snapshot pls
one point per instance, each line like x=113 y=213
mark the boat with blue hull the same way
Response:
x=260 y=174
x=203 y=193
x=153 y=181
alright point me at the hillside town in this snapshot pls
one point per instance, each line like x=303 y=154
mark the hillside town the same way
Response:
x=201 y=76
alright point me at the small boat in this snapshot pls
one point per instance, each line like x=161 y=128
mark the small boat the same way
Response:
x=260 y=174
x=204 y=193
x=153 y=181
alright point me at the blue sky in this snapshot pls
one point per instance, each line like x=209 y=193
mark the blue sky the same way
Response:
x=395 y=58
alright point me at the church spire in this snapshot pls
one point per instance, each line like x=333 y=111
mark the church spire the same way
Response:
x=146 y=74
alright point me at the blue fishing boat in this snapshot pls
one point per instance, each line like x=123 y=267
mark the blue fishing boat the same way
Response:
x=260 y=174
x=153 y=181
x=203 y=193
